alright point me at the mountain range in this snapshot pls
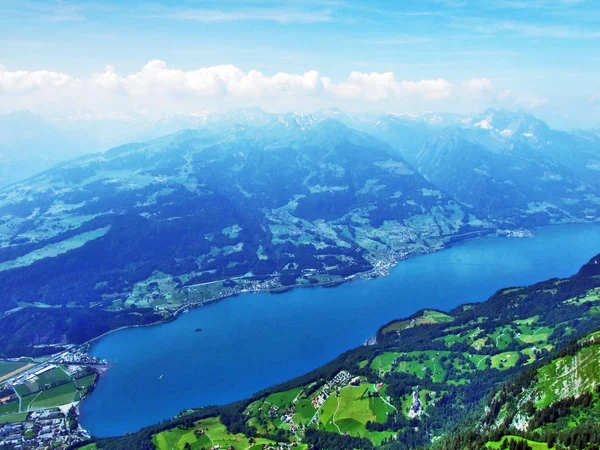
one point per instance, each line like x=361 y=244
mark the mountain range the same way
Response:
x=508 y=166
x=202 y=213
x=251 y=201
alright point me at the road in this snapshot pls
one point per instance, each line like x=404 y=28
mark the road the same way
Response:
x=20 y=400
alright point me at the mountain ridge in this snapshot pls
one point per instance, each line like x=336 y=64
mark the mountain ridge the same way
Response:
x=282 y=200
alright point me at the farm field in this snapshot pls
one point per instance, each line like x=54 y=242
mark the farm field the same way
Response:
x=283 y=398
x=207 y=433
x=61 y=395
x=85 y=382
x=43 y=381
x=18 y=417
x=383 y=363
x=424 y=364
x=503 y=345
x=506 y=360
x=352 y=410
x=304 y=411
x=50 y=389
x=10 y=369
x=426 y=317
x=9 y=408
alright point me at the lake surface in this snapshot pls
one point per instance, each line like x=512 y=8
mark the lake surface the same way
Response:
x=253 y=341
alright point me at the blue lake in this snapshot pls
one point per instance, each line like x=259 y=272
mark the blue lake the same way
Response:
x=250 y=342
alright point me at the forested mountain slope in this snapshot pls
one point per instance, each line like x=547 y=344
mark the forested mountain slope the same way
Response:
x=202 y=214
x=510 y=167
x=262 y=202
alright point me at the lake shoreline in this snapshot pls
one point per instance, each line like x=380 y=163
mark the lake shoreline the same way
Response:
x=359 y=276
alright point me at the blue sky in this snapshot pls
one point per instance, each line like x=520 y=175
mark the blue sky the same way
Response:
x=540 y=56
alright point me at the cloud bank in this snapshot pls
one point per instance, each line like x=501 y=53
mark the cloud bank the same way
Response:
x=23 y=81
x=157 y=88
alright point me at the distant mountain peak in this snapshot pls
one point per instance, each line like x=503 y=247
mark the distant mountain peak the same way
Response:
x=509 y=123
x=428 y=117
x=22 y=114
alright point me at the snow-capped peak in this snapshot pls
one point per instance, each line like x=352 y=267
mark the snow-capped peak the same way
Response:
x=485 y=124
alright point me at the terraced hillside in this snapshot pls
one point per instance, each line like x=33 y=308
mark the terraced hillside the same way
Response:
x=526 y=359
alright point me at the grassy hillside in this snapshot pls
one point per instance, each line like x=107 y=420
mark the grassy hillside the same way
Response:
x=553 y=406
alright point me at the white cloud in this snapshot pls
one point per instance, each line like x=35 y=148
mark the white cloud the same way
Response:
x=108 y=80
x=155 y=78
x=428 y=89
x=521 y=100
x=530 y=101
x=24 y=81
x=158 y=88
x=374 y=87
x=477 y=86
x=366 y=86
x=595 y=98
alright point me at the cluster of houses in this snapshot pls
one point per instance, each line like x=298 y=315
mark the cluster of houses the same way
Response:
x=516 y=233
x=42 y=429
x=318 y=400
x=10 y=434
x=288 y=417
x=206 y=295
x=283 y=217
x=280 y=446
x=342 y=378
x=273 y=410
x=80 y=358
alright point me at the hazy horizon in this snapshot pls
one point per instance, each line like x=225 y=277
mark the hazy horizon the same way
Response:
x=439 y=55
